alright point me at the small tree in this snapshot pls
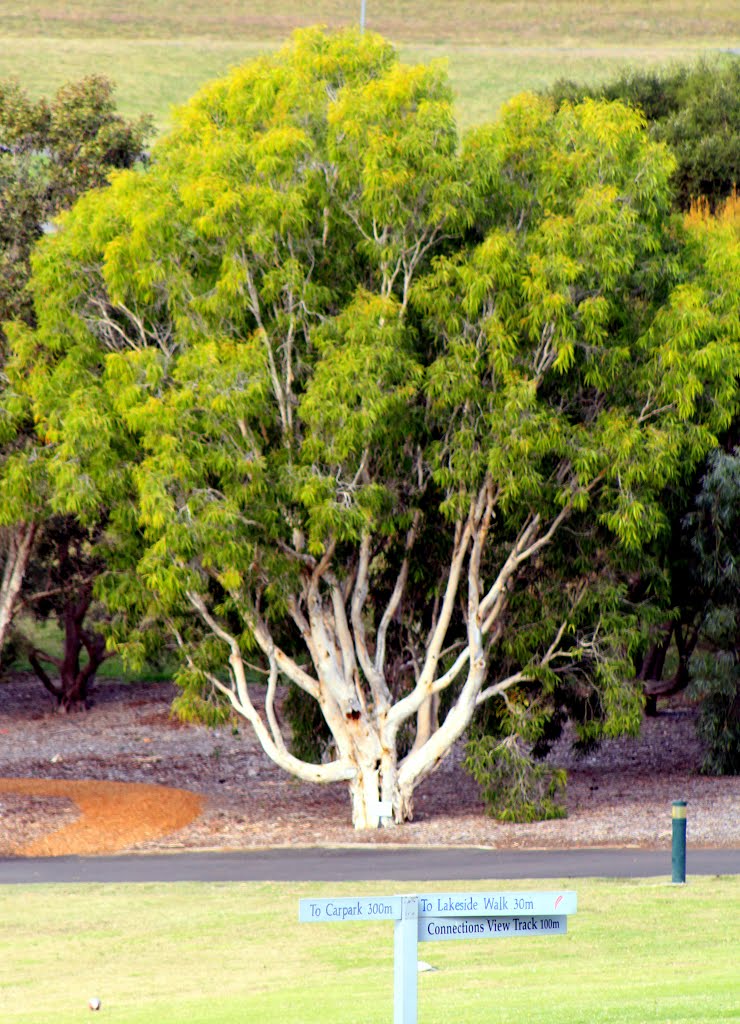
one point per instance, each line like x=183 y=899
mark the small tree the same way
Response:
x=353 y=382
x=59 y=586
x=50 y=152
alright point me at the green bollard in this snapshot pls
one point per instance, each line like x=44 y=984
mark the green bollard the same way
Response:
x=678 y=857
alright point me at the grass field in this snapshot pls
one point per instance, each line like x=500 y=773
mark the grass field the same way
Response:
x=637 y=952
x=160 y=51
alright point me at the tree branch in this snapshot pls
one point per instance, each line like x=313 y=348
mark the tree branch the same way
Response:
x=396 y=596
x=378 y=686
x=409 y=705
x=501 y=687
x=271 y=739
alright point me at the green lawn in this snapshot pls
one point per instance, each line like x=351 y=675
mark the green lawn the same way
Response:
x=160 y=51
x=637 y=952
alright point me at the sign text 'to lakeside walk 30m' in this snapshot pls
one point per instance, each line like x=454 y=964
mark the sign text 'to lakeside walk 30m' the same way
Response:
x=439 y=917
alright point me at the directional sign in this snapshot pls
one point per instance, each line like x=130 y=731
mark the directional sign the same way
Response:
x=442 y=929
x=469 y=904
x=440 y=917
x=450 y=904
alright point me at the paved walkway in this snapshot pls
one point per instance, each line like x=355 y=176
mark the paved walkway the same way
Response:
x=363 y=864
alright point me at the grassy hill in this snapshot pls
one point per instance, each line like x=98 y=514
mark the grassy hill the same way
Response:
x=159 y=51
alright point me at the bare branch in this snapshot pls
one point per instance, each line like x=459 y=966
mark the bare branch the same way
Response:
x=36 y=652
x=286 y=664
x=270 y=739
x=277 y=734
x=396 y=596
x=324 y=563
x=343 y=631
x=381 y=693
x=409 y=705
x=443 y=681
x=502 y=686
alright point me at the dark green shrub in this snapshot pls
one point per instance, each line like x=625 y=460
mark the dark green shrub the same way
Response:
x=695 y=110
x=715 y=530
x=514 y=786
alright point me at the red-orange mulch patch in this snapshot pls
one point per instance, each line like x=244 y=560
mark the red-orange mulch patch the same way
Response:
x=113 y=815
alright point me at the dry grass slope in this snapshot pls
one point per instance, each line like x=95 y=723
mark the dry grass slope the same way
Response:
x=159 y=52
x=491 y=22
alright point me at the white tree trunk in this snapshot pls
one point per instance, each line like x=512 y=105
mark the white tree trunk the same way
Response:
x=349 y=680
x=18 y=547
x=427 y=721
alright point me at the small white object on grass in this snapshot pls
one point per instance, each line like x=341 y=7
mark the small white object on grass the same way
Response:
x=422 y=965
x=94 y=1003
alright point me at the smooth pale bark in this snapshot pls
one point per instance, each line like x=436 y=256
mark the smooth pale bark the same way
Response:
x=427 y=721
x=18 y=547
x=348 y=652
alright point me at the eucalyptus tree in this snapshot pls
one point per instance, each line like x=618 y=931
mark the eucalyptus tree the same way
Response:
x=353 y=381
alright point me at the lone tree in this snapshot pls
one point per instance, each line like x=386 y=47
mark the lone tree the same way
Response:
x=353 y=381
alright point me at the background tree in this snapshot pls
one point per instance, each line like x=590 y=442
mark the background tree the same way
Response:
x=696 y=110
x=714 y=527
x=317 y=346
x=50 y=152
x=58 y=587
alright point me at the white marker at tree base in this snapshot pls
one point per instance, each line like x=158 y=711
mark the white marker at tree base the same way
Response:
x=442 y=917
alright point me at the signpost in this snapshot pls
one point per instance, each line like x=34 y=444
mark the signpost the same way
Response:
x=442 y=917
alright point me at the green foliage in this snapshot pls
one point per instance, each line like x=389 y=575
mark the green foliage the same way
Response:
x=695 y=110
x=316 y=319
x=715 y=533
x=716 y=683
x=310 y=735
x=513 y=785
x=87 y=138
x=197 y=704
x=50 y=153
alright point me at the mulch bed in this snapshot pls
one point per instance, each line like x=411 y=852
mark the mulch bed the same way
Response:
x=125 y=775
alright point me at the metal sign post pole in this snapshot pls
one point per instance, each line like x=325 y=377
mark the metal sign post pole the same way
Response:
x=405 y=963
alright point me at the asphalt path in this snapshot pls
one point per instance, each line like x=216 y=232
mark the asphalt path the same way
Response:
x=365 y=864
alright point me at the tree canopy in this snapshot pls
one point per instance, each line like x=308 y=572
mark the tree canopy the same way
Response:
x=51 y=151
x=695 y=109
x=352 y=379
